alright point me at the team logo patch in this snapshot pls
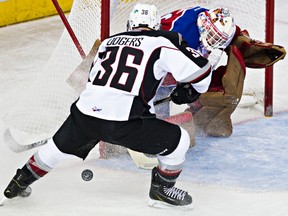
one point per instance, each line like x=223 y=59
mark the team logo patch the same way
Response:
x=95 y=109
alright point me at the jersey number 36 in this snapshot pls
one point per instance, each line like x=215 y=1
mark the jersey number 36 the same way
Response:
x=123 y=70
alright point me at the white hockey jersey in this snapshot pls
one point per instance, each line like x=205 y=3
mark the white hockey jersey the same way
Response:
x=128 y=69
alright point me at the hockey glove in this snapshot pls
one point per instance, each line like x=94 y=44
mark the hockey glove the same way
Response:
x=184 y=93
x=258 y=54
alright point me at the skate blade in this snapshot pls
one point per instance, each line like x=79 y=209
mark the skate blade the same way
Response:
x=2 y=201
x=164 y=205
x=26 y=193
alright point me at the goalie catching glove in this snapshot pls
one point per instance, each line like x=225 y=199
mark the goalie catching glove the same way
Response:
x=258 y=54
x=184 y=93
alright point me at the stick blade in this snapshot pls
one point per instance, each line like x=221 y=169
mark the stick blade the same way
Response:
x=12 y=143
x=16 y=147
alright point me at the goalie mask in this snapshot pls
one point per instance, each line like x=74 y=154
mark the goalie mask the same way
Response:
x=144 y=15
x=216 y=28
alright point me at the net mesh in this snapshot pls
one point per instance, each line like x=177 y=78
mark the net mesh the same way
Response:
x=41 y=110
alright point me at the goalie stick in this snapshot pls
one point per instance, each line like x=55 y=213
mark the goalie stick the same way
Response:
x=143 y=161
x=79 y=77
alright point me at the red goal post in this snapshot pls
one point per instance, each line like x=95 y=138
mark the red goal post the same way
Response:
x=269 y=34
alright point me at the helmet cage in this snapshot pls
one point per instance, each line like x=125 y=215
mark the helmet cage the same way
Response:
x=214 y=32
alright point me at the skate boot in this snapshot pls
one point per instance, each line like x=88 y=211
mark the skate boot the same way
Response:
x=163 y=194
x=19 y=185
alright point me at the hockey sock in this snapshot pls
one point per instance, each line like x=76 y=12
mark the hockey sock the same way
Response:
x=36 y=167
x=165 y=177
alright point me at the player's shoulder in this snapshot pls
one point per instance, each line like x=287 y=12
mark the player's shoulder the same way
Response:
x=171 y=36
x=151 y=33
x=168 y=35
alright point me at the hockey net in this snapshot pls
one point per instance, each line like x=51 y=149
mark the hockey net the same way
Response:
x=41 y=110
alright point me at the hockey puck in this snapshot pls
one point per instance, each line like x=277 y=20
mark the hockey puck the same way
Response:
x=87 y=175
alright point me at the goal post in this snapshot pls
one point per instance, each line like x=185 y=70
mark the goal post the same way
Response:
x=105 y=19
x=68 y=28
x=269 y=36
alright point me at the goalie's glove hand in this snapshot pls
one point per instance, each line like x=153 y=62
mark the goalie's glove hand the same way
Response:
x=184 y=93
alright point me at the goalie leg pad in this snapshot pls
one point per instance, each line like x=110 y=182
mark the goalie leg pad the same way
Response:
x=214 y=117
x=233 y=79
x=214 y=121
x=221 y=124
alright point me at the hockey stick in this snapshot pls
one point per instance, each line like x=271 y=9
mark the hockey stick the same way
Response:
x=11 y=142
x=140 y=160
x=76 y=80
x=166 y=99
x=16 y=147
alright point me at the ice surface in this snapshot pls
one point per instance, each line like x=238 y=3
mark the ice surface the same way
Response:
x=245 y=174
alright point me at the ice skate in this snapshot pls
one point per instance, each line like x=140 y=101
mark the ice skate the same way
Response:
x=162 y=196
x=19 y=185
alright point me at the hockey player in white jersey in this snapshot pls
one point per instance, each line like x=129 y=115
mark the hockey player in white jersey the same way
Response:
x=117 y=106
